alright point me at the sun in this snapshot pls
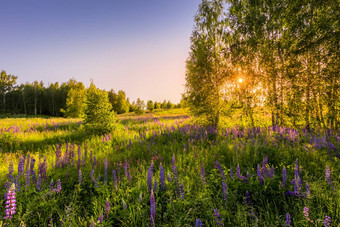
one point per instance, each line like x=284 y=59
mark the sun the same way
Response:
x=240 y=80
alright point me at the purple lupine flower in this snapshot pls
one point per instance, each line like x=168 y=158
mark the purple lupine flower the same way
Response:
x=328 y=176
x=239 y=174
x=149 y=179
x=115 y=182
x=57 y=155
x=126 y=166
x=327 y=221
x=284 y=177
x=225 y=193
x=219 y=167
x=58 y=189
x=17 y=183
x=10 y=172
x=10 y=203
x=264 y=163
x=306 y=214
x=27 y=178
x=248 y=198
x=51 y=185
x=198 y=223
x=175 y=176
x=39 y=182
x=32 y=172
x=21 y=166
x=259 y=174
x=203 y=174
x=105 y=170
x=288 y=220
x=152 y=209
x=79 y=158
x=218 y=218
x=181 y=191
x=80 y=179
x=107 y=208
x=162 y=177
x=100 y=218
x=231 y=173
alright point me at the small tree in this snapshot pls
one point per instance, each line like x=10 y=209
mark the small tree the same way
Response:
x=149 y=105
x=139 y=107
x=75 y=102
x=7 y=83
x=98 y=115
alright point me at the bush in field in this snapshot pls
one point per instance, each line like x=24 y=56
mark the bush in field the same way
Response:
x=98 y=115
x=139 y=107
x=149 y=105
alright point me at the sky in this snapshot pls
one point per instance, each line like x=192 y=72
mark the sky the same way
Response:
x=138 y=46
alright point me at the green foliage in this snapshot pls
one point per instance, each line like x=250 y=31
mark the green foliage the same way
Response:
x=98 y=115
x=206 y=68
x=139 y=107
x=150 y=105
x=75 y=102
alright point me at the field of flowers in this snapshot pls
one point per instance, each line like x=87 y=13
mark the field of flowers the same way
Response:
x=164 y=170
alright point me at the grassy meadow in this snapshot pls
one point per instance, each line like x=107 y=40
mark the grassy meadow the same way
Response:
x=163 y=169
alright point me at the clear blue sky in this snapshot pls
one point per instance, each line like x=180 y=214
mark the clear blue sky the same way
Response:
x=138 y=46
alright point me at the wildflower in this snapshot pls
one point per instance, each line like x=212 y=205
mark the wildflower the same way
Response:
x=115 y=183
x=107 y=208
x=27 y=178
x=181 y=191
x=248 y=198
x=218 y=218
x=225 y=194
x=231 y=173
x=10 y=172
x=79 y=158
x=80 y=179
x=259 y=174
x=288 y=220
x=58 y=189
x=162 y=177
x=152 y=209
x=306 y=214
x=39 y=182
x=100 y=218
x=105 y=170
x=198 y=223
x=328 y=176
x=284 y=177
x=240 y=176
x=149 y=179
x=219 y=167
x=327 y=221
x=51 y=185
x=175 y=176
x=21 y=166
x=10 y=203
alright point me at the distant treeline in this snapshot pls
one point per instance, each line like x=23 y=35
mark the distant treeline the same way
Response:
x=38 y=98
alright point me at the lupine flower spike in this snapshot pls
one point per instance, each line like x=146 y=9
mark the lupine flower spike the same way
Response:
x=10 y=203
